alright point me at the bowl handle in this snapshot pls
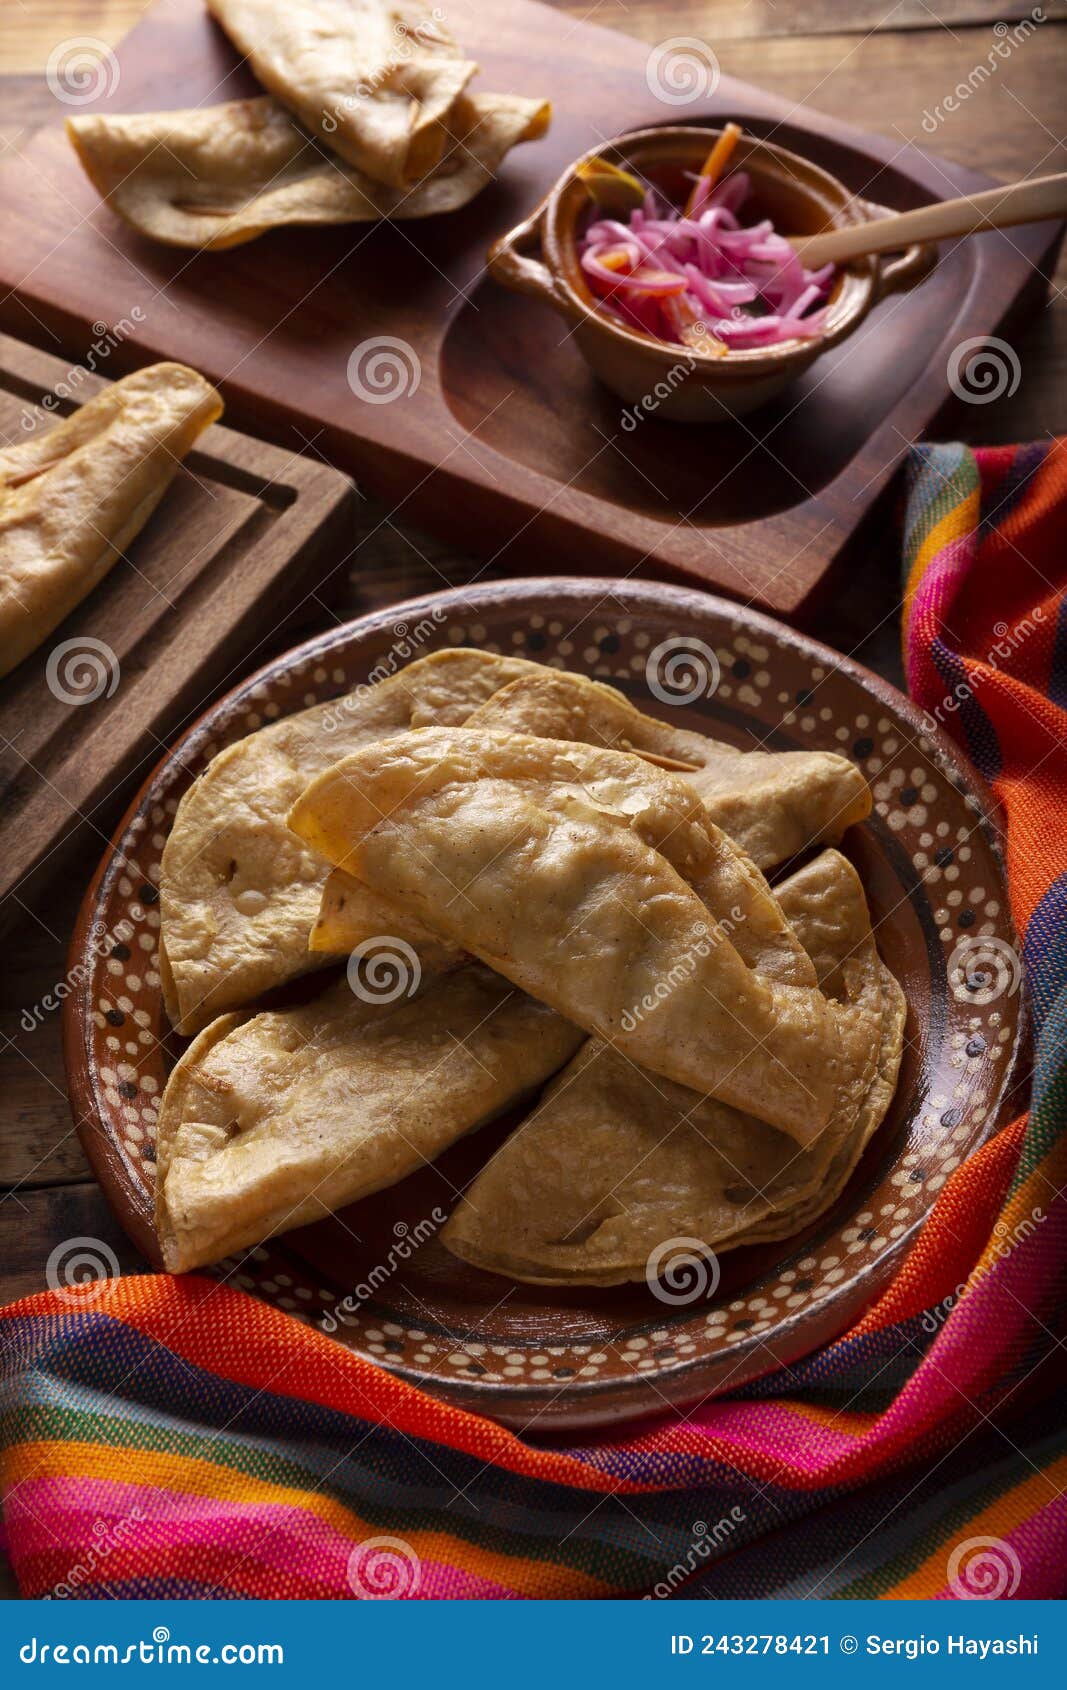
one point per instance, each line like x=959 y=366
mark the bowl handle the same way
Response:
x=909 y=267
x=913 y=264
x=509 y=264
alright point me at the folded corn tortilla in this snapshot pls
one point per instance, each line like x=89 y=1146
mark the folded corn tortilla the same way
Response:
x=272 y=1122
x=775 y=804
x=217 y=176
x=374 y=79
x=74 y=496
x=239 y=893
x=571 y=870
x=615 y=1163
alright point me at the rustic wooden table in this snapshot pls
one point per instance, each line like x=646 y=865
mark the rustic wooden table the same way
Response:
x=886 y=66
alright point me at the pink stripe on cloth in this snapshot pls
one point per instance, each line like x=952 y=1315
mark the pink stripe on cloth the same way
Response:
x=68 y=1513
x=1013 y=1282
x=770 y=1430
x=937 y=589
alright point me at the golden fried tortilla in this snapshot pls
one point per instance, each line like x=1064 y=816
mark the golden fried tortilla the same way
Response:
x=239 y=894
x=727 y=880
x=614 y=1161
x=351 y=915
x=775 y=804
x=74 y=496
x=270 y=1123
x=375 y=80
x=570 y=870
x=218 y=176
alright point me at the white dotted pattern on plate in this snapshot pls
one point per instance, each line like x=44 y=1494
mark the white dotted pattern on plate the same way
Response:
x=910 y=789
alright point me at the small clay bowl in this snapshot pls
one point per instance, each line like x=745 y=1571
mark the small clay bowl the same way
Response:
x=676 y=382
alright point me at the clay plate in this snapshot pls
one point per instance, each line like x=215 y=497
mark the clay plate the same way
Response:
x=377 y=1274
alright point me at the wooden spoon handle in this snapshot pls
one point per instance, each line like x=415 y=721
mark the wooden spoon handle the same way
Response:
x=996 y=208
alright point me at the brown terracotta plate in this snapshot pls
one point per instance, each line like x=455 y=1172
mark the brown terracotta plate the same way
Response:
x=377 y=1274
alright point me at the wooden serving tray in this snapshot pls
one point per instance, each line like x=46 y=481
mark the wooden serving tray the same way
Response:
x=508 y=445
x=243 y=532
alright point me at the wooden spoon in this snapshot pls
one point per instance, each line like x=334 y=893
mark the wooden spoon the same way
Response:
x=996 y=208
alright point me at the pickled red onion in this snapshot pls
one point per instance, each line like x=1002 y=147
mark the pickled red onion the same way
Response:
x=743 y=287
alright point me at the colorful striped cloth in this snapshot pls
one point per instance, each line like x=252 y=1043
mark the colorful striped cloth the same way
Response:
x=178 y=1438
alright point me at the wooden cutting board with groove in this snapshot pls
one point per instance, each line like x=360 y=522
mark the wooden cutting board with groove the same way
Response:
x=505 y=444
x=243 y=534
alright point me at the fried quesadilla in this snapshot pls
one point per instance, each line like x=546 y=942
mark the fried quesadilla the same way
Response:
x=614 y=1161
x=217 y=176
x=548 y=860
x=570 y=869
x=274 y=1121
x=239 y=893
x=775 y=804
x=373 y=79
x=73 y=497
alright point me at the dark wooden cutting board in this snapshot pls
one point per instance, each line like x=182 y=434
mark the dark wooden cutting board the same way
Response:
x=242 y=535
x=507 y=445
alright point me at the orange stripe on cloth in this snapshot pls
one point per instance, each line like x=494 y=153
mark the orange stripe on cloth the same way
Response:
x=954 y=1235
x=960 y=520
x=256 y=1349
x=1004 y=1514
x=1036 y=800
x=191 y=1476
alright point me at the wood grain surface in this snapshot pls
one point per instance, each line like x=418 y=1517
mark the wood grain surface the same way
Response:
x=863 y=61
x=243 y=530
x=499 y=437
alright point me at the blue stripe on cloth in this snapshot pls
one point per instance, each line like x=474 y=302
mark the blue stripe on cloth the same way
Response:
x=1045 y=952
x=981 y=741
x=862 y=1531
x=99 y=1365
x=938 y=478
